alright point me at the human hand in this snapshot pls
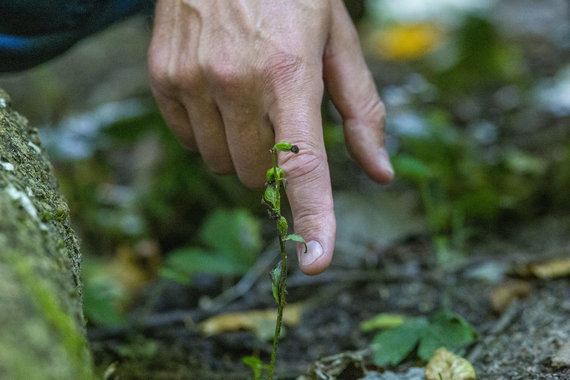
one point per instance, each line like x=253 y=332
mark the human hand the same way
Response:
x=233 y=77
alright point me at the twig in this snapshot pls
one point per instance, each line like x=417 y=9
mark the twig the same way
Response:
x=246 y=283
x=502 y=324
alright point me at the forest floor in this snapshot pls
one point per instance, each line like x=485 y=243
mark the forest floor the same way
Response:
x=384 y=258
x=519 y=342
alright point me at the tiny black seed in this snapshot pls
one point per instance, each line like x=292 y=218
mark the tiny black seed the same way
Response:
x=294 y=149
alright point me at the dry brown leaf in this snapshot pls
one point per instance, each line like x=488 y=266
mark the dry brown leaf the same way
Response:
x=551 y=269
x=546 y=270
x=261 y=322
x=504 y=294
x=445 y=365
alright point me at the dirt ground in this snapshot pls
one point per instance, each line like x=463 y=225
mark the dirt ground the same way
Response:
x=519 y=343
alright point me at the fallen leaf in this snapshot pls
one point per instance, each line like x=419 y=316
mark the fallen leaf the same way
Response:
x=551 y=269
x=545 y=270
x=261 y=322
x=562 y=357
x=382 y=321
x=503 y=295
x=135 y=266
x=330 y=367
x=445 y=365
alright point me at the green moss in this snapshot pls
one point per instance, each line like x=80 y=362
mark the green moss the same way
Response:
x=42 y=333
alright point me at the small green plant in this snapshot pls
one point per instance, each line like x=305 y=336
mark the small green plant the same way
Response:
x=444 y=329
x=230 y=241
x=256 y=366
x=461 y=185
x=275 y=180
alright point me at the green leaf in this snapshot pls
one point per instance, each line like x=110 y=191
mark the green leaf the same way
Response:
x=298 y=239
x=256 y=365
x=270 y=195
x=521 y=162
x=411 y=168
x=270 y=174
x=181 y=264
x=394 y=345
x=102 y=295
x=382 y=321
x=447 y=330
x=283 y=146
x=233 y=234
x=276 y=280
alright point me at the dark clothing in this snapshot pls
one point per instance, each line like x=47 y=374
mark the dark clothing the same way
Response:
x=34 y=31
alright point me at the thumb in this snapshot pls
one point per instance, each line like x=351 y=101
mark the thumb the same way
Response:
x=308 y=181
x=354 y=94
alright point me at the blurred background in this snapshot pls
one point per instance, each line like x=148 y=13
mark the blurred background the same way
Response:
x=478 y=103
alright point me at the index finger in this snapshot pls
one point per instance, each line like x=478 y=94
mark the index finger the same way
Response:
x=296 y=118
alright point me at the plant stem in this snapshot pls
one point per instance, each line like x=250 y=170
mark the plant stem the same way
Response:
x=280 y=307
x=283 y=278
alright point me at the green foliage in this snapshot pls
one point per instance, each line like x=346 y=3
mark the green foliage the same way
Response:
x=232 y=241
x=445 y=329
x=298 y=239
x=270 y=174
x=102 y=295
x=140 y=348
x=272 y=201
x=276 y=274
x=234 y=232
x=459 y=183
x=283 y=146
x=183 y=263
x=382 y=321
x=176 y=191
x=270 y=195
x=393 y=345
x=256 y=366
x=411 y=168
x=482 y=59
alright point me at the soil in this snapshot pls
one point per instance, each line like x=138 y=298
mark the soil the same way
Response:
x=399 y=278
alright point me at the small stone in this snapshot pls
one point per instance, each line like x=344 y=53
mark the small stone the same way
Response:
x=562 y=357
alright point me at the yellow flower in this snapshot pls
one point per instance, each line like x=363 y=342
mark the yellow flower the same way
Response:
x=406 y=42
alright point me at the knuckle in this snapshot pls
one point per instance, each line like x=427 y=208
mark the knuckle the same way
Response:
x=304 y=166
x=159 y=74
x=187 y=78
x=310 y=219
x=225 y=74
x=218 y=160
x=283 y=68
x=218 y=167
x=253 y=182
x=374 y=111
x=168 y=77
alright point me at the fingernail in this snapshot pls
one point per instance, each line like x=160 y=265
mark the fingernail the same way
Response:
x=314 y=251
x=385 y=161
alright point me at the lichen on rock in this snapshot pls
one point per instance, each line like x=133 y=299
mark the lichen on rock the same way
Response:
x=42 y=334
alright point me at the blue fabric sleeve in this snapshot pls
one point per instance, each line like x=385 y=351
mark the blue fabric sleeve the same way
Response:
x=30 y=36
